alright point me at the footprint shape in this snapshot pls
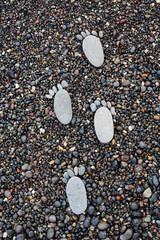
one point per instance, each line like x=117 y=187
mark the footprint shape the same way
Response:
x=92 y=47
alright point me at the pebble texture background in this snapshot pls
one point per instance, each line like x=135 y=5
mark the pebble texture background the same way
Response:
x=39 y=49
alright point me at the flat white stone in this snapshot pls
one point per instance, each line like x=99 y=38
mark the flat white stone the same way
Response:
x=76 y=194
x=103 y=124
x=93 y=50
x=63 y=106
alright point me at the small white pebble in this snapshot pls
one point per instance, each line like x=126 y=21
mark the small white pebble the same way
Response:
x=76 y=171
x=94 y=33
x=33 y=89
x=59 y=86
x=100 y=34
x=42 y=130
x=16 y=85
x=87 y=32
x=113 y=111
x=48 y=96
x=93 y=107
x=64 y=84
x=51 y=92
x=54 y=89
x=97 y=102
x=104 y=103
x=109 y=105
x=83 y=34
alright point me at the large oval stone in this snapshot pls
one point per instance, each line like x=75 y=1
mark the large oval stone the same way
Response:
x=63 y=106
x=93 y=50
x=76 y=194
x=103 y=124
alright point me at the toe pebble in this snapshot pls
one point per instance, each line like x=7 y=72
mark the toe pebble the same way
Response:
x=79 y=37
x=93 y=107
x=70 y=172
x=83 y=34
x=104 y=103
x=49 y=96
x=64 y=84
x=100 y=34
x=94 y=33
x=51 y=92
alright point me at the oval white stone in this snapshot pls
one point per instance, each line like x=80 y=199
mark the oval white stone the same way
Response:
x=103 y=124
x=63 y=106
x=93 y=50
x=76 y=194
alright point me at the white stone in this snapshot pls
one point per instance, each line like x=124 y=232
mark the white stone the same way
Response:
x=76 y=194
x=59 y=86
x=48 y=96
x=63 y=106
x=93 y=50
x=147 y=193
x=64 y=84
x=93 y=107
x=54 y=89
x=103 y=124
x=51 y=92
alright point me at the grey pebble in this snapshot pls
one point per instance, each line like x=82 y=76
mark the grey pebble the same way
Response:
x=54 y=89
x=19 y=229
x=20 y=237
x=81 y=170
x=133 y=49
x=79 y=37
x=64 y=84
x=94 y=33
x=102 y=225
x=50 y=233
x=83 y=34
x=143 y=88
x=102 y=234
x=23 y=138
x=65 y=175
x=97 y=103
x=87 y=221
x=48 y=96
x=55 y=180
x=127 y=235
x=116 y=84
x=142 y=144
x=59 y=86
x=104 y=103
x=51 y=92
x=93 y=107
x=52 y=218
x=134 y=206
x=76 y=171
x=113 y=112
x=155 y=181
x=70 y=172
x=109 y=105
x=25 y=166
x=100 y=34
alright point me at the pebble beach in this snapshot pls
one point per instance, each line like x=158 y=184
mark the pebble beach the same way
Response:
x=40 y=48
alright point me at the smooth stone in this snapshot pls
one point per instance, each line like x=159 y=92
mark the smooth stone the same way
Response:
x=94 y=33
x=76 y=194
x=83 y=34
x=127 y=235
x=113 y=112
x=10 y=74
x=76 y=171
x=87 y=32
x=52 y=218
x=102 y=234
x=81 y=170
x=79 y=37
x=70 y=173
x=103 y=124
x=93 y=50
x=93 y=107
x=97 y=102
x=134 y=206
x=23 y=138
x=155 y=181
x=102 y=225
x=49 y=96
x=59 y=86
x=100 y=34
x=143 y=88
x=109 y=105
x=64 y=84
x=147 y=193
x=54 y=89
x=104 y=103
x=50 y=233
x=142 y=144
x=63 y=106
x=51 y=92
x=65 y=175
x=28 y=174
x=116 y=84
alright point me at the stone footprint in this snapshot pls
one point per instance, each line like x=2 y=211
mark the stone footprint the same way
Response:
x=92 y=47
x=103 y=121
x=62 y=102
x=75 y=190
